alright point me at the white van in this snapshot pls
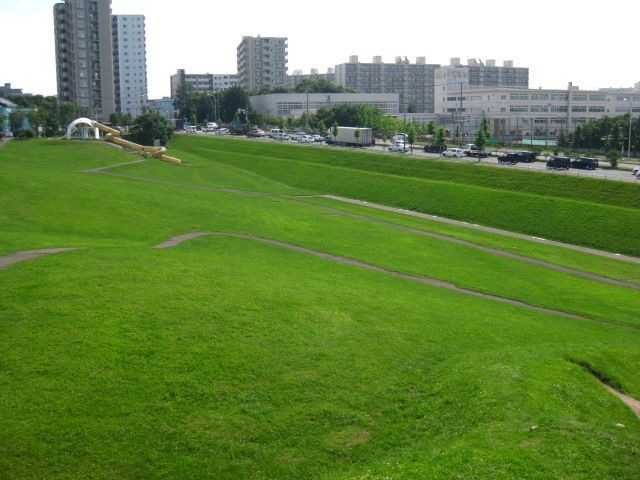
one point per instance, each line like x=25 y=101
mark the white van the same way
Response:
x=191 y=129
x=275 y=133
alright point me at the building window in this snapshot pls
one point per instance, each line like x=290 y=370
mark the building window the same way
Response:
x=543 y=97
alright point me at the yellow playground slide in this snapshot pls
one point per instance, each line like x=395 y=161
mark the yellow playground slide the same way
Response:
x=112 y=135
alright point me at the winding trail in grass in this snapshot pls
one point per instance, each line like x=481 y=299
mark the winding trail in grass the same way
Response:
x=495 y=251
x=483 y=228
x=178 y=239
x=425 y=216
x=24 y=255
x=631 y=402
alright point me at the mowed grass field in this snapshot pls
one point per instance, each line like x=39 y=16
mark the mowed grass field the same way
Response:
x=228 y=357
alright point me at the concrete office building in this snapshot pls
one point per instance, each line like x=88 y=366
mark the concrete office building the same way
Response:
x=130 y=63
x=8 y=90
x=521 y=114
x=262 y=62
x=297 y=77
x=413 y=82
x=283 y=105
x=84 y=55
x=202 y=82
x=162 y=106
x=482 y=74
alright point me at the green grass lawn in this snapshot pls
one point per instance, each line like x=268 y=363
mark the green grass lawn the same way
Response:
x=599 y=214
x=230 y=358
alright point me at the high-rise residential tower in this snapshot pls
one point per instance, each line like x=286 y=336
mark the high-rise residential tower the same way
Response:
x=262 y=62
x=130 y=63
x=84 y=55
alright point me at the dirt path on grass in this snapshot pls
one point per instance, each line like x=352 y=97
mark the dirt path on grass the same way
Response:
x=494 y=251
x=178 y=239
x=4 y=141
x=300 y=199
x=631 y=402
x=16 y=257
x=483 y=228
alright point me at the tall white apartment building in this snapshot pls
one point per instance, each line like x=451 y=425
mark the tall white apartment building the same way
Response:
x=130 y=63
x=262 y=62
x=84 y=55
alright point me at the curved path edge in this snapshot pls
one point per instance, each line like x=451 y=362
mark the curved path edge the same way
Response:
x=629 y=401
x=426 y=216
x=24 y=255
x=178 y=239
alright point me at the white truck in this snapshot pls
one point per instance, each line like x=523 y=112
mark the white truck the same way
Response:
x=347 y=137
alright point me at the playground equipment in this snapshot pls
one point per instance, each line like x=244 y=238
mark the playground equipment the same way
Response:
x=84 y=125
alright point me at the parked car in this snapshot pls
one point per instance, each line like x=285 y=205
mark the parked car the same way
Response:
x=515 y=157
x=398 y=147
x=223 y=131
x=586 y=163
x=526 y=157
x=636 y=171
x=297 y=136
x=318 y=138
x=508 y=158
x=559 y=163
x=434 y=148
x=454 y=152
x=305 y=139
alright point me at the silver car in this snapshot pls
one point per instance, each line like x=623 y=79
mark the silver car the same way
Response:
x=454 y=152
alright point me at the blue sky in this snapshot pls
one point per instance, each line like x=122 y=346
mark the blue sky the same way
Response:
x=561 y=41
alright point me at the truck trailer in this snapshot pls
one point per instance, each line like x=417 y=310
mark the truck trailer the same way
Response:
x=347 y=137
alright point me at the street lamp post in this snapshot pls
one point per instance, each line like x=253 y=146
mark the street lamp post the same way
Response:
x=629 y=139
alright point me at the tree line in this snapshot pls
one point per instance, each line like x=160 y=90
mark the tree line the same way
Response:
x=603 y=134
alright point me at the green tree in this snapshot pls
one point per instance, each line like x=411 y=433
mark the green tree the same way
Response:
x=37 y=118
x=115 y=118
x=184 y=102
x=431 y=127
x=562 y=140
x=320 y=85
x=484 y=126
x=411 y=135
x=151 y=126
x=481 y=139
x=356 y=134
x=231 y=100
x=457 y=131
x=322 y=128
x=334 y=131
x=16 y=121
x=441 y=138
x=613 y=156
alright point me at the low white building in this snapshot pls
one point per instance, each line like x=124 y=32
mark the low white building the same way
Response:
x=516 y=114
x=285 y=105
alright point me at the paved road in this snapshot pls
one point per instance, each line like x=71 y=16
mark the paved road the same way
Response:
x=622 y=174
